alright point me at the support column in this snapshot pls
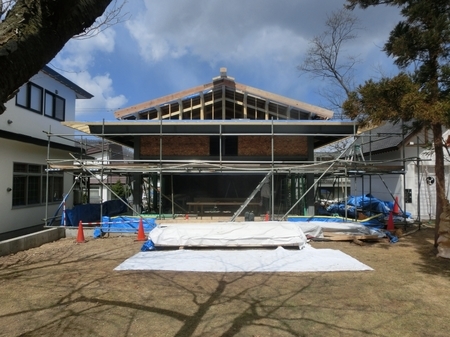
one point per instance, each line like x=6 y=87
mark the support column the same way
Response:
x=136 y=178
x=224 y=103
x=202 y=106
x=310 y=178
x=245 y=105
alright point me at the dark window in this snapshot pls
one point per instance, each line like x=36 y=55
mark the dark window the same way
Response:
x=229 y=146
x=54 y=106
x=214 y=146
x=34 y=190
x=29 y=185
x=19 y=190
x=30 y=97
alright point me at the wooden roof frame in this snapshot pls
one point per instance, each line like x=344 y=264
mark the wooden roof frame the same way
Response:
x=223 y=82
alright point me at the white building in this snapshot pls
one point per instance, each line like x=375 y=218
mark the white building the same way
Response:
x=415 y=184
x=38 y=109
x=112 y=153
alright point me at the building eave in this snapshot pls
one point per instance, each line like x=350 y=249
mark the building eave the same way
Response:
x=124 y=132
x=80 y=92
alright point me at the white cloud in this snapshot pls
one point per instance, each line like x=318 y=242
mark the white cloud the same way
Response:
x=239 y=30
x=104 y=100
x=80 y=54
x=176 y=44
x=77 y=62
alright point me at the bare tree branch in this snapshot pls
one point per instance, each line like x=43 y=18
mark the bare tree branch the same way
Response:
x=324 y=60
x=111 y=17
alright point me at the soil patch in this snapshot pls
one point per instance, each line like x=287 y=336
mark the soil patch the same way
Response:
x=69 y=289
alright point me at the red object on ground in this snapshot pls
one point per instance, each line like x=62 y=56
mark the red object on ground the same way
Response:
x=80 y=235
x=396 y=207
x=141 y=234
x=186 y=217
x=266 y=217
x=390 y=224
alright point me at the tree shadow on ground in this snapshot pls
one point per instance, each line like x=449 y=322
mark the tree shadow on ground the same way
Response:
x=423 y=241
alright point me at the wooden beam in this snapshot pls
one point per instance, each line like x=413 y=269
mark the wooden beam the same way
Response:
x=162 y=100
x=348 y=237
x=287 y=101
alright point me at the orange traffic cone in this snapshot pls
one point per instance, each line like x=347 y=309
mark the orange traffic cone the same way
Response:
x=141 y=235
x=396 y=207
x=390 y=223
x=80 y=235
x=266 y=217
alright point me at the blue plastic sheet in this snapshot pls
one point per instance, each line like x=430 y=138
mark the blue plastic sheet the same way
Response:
x=124 y=224
x=374 y=209
x=148 y=246
x=367 y=204
x=91 y=212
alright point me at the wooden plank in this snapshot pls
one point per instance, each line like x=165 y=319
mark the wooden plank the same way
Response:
x=162 y=100
x=324 y=113
x=348 y=237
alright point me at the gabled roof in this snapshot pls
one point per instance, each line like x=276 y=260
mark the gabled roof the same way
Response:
x=228 y=100
x=385 y=138
x=80 y=93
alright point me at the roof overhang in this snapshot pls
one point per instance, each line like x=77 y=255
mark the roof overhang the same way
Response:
x=80 y=92
x=125 y=132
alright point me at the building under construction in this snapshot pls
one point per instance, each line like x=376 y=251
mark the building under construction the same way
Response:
x=219 y=148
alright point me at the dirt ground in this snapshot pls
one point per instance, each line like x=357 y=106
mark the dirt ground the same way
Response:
x=69 y=289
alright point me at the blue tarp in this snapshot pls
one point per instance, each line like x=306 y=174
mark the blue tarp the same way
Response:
x=124 y=224
x=367 y=204
x=374 y=209
x=91 y=212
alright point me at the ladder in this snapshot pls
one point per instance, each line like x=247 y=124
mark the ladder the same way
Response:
x=252 y=195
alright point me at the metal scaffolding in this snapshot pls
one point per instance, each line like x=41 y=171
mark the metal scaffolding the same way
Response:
x=342 y=167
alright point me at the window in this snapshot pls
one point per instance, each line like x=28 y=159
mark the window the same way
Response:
x=54 y=106
x=229 y=145
x=29 y=185
x=30 y=97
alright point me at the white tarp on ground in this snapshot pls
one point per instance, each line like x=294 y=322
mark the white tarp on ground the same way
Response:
x=229 y=234
x=307 y=259
x=332 y=226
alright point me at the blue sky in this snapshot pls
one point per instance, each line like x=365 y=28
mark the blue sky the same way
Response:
x=166 y=46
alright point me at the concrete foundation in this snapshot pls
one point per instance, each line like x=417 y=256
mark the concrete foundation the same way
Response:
x=33 y=240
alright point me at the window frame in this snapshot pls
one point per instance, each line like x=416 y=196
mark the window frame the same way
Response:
x=29 y=185
x=48 y=101
x=29 y=87
x=54 y=99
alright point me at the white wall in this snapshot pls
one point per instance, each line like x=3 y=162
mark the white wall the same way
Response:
x=21 y=121
x=33 y=124
x=23 y=217
x=381 y=186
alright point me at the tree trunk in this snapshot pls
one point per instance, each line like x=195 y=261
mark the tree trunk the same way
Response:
x=34 y=31
x=440 y=176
